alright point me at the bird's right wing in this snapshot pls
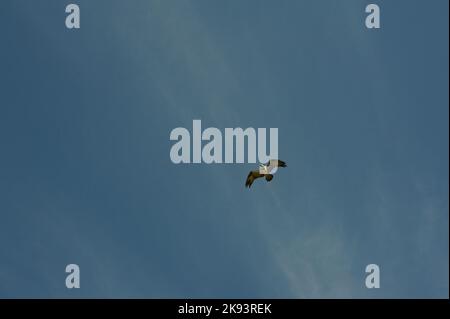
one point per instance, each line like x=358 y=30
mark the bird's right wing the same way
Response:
x=281 y=163
x=273 y=165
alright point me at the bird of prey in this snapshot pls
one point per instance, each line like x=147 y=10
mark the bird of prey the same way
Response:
x=265 y=170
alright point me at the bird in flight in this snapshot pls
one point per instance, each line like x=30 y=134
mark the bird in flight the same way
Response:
x=265 y=170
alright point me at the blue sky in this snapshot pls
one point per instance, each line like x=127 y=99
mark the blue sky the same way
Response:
x=86 y=177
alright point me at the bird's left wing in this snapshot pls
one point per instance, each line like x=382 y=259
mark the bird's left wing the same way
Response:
x=251 y=177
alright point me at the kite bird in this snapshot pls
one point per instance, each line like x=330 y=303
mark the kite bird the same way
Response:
x=265 y=170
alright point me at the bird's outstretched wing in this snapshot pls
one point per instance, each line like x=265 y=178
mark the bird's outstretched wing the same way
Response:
x=276 y=163
x=251 y=177
x=281 y=163
x=273 y=165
